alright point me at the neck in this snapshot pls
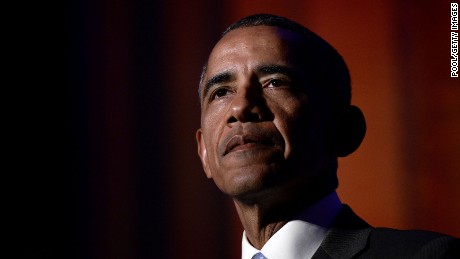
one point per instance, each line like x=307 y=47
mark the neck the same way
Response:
x=258 y=226
x=264 y=212
x=263 y=218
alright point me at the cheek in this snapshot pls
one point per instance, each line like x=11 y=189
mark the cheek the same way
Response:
x=291 y=118
x=293 y=122
x=212 y=125
x=214 y=114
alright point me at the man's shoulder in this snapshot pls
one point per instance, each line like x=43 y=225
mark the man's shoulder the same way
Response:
x=352 y=237
x=411 y=244
x=379 y=233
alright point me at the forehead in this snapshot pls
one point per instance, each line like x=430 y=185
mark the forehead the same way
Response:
x=245 y=48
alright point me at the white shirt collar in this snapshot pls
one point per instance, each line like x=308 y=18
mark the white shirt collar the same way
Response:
x=300 y=237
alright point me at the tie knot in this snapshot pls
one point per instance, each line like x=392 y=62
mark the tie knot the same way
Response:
x=259 y=255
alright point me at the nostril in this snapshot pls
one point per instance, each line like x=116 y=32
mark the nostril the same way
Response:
x=232 y=119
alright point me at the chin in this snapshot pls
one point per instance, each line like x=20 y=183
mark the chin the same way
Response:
x=250 y=181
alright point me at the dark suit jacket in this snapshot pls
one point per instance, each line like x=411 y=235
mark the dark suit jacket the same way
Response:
x=352 y=237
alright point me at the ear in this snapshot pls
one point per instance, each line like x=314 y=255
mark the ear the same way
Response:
x=202 y=153
x=350 y=132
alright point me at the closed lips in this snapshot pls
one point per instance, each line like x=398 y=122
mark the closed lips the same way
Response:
x=239 y=140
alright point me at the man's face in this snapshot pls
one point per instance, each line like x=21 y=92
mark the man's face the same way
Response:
x=260 y=129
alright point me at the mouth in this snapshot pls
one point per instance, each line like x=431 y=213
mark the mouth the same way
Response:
x=245 y=142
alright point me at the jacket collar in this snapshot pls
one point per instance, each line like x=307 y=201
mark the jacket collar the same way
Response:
x=347 y=237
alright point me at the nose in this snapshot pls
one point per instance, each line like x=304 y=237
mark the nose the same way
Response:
x=248 y=105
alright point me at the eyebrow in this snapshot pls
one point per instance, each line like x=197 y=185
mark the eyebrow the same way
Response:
x=275 y=69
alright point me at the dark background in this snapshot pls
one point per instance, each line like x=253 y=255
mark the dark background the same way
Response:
x=101 y=112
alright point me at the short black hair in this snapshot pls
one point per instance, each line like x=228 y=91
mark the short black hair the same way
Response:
x=324 y=63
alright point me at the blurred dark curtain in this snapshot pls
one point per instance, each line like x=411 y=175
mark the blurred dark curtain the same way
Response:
x=134 y=112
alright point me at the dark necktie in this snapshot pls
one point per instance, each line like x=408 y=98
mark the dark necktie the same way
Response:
x=259 y=255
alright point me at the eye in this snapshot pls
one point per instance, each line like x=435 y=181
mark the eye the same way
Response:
x=220 y=93
x=274 y=83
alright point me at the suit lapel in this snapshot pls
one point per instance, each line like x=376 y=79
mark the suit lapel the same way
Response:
x=346 y=238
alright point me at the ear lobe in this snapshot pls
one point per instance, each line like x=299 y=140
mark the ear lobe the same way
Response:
x=202 y=153
x=350 y=131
